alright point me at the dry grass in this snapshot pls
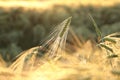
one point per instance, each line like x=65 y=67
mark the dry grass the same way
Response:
x=87 y=62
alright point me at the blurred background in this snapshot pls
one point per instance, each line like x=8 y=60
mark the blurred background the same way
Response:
x=24 y=23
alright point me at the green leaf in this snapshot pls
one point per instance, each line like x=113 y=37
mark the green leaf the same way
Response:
x=112 y=56
x=106 y=47
x=99 y=34
x=108 y=39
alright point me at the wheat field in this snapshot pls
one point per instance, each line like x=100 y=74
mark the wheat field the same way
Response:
x=58 y=60
x=87 y=62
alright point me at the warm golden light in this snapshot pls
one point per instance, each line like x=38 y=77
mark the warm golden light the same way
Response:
x=50 y=3
x=80 y=61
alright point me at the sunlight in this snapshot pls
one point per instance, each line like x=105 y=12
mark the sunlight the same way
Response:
x=51 y=60
x=49 y=3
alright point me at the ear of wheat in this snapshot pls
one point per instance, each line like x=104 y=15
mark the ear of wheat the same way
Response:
x=27 y=58
x=55 y=50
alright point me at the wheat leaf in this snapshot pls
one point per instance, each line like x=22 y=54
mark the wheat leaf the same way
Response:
x=112 y=56
x=108 y=39
x=106 y=47
x=99 y=34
